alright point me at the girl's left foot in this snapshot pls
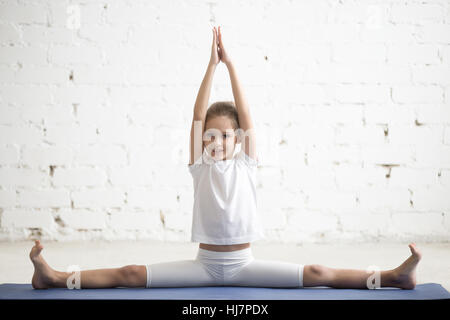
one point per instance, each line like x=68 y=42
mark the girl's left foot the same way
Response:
x=405 y=274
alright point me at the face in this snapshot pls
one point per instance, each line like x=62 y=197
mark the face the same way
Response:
x=220 y=138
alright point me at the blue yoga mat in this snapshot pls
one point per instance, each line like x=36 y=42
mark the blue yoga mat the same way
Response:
x=425 y=291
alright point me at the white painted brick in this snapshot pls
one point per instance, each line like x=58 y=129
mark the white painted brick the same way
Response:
x=83 y=219
x=411 y=223
x=412 y=54
x=389 y=114
x=9 y=154
x=79 y=177
x=23 y=55
x=336 y=154
x=432 y=155
x=90 y=75
x=80 y=94
x=43 y=198
x=36 y=95
x=432 y=198
x=444 y=179
x=362 y=94
x=269 y=177
x=104 y=34
x=337 y=114
x=138 y=13
x=331 y=199
x=131 y=175
x=313 y=221
x=44 y=35
x=444 y=53
x=48 y=155
x=433 y=33
x=306 y=178
x=387 y=154
x=415 y=135
x=134 y=220
x=417 y=94
x=69 y=55
x=100 y=155
x=390 y=34
x=416 y=13
x=378 y=198
x=23 y=177
x=20 y=135
x=357 y=53
x=413 y=177
x=300 y=135
x=433 y=114
x=41 y=75
x=359 y=134
x=98 y=198
x=20 y=218
x=350 y=178
x=272 y=219
x=7 y=198
x=29 y=13
x=9 y=33
x=365 y=222
x=447 y=135
x=71 y=135
x=172 y=176
x=431 y=75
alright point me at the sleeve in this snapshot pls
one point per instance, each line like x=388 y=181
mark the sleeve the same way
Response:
x=249 y=162
x=195 y=167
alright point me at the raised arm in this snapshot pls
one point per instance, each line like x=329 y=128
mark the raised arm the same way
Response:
x=245 y=119
x=201 y=104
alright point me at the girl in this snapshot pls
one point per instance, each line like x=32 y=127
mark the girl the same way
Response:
x=225 y=219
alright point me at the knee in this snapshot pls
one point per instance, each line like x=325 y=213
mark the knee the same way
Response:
x=130 y=272
x=320 y=271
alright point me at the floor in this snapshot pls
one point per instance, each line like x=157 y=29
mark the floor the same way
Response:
x=15 y=266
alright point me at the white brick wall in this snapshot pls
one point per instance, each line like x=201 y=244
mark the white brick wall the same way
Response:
x=351 y=102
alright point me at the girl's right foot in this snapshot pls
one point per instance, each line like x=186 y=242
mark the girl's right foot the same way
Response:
x=405 y=274
x=44 y=276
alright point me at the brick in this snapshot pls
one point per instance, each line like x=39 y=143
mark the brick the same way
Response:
x=350 y=177
x=365 y=223
x=432 y=155
x=389 y=114
x=69 y=55
x=387 y=154
x=447 y=135
x=98 y=198
x=134 y=220
x=417 y=94
x=358 y=134
x=43 y=198
x=45 y=156
x=413 y=177
x=71 y=135
x=437 y=75
x=20 y=135
x=79 y=177
x=23 y=55
x=133 y=175
x=379 y=198
x=36 y=95
x=20 y=218
x=411 y=223
x=7 y=198
x=45 y=35
x=357 y=53
x=83 y=219
x=23 y=13
x=433 y=114
x=416 y=13
x=433 y=33
x=406 y=54
x=336 y=200
x=9 y=33
x=9 y=155
x=105 y=155
x=415 y=135
x=23 y=177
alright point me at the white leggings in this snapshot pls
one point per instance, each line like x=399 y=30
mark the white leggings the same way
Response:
x=234 y=268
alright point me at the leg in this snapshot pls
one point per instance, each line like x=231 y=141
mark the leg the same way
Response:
x=269 y=274
x=400 y=277
x=46 y=277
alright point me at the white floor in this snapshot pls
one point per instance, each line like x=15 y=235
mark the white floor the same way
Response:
x=15 y=266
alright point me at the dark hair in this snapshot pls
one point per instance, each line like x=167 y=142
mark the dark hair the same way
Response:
x=223 y=108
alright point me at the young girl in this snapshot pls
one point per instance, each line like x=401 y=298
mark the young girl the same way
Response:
x=225 y=219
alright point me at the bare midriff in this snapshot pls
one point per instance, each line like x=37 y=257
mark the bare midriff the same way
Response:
x=224 y=248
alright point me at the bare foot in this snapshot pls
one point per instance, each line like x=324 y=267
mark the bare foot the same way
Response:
x=406 y=273
x=44 y=276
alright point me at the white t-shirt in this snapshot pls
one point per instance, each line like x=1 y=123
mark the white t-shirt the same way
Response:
x=225 y=200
